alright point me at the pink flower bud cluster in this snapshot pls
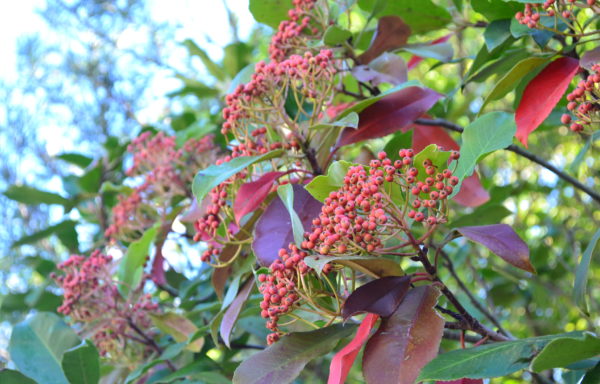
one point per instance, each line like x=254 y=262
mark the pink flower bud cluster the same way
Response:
x=565 y=9
x=357 y=219
x=167 y=173
x=289 y=33
x=91 y=297
x=583 y=102
x=308 y=74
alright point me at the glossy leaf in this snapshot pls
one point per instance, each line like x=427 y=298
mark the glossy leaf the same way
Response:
x=440 y=51
x=420 y=15
x=387 y=68
x=8 y=376
x=283 y=361
x=343 y=360
x=496 y=33
x=461 y=381
x=592 y=376
x=231 y=315
x=251 y=195
x=274 y=231
x=179 y=327
x=483 y=215
x=131 y=267
x=415 y=60
x=33 y=196
x=406 y=341
x=214 y=175
x=375 y=266
x=350 y=120
x=381 y=297
x=542 y=94
x=581 y=273
x=503 y=241
x=390 y=114
x=286 y=194
x=565 y=351
x=321 y=186
x=494 y=10
x=509 y=81
x=489 y=360
x=439 y=159
x=82 y=364
x=486 y=134
x=364 y=104
x=77 y=159
x=37 y=346
x=270 y=12
x=392 y=33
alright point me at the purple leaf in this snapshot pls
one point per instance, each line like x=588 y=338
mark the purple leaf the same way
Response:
x=232 y=313
x=406 y=341
x=252 y=194
x=392 y=32
x=387 y=68
x=381 y=296
x=502 y=240
x=274 y=228
x=390 y=114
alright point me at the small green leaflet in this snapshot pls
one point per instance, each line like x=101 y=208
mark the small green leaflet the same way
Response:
x=214 y=175
x=131 y=267
x=321 y=186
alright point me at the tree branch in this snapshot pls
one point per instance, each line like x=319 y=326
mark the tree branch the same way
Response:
x=523 y=153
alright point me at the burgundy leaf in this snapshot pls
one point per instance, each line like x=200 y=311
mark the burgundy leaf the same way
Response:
x=252 y=194
x=462 y=381
x=231 y=315
x=392 y=32
x=390 y=114
x=406 y=341
x=415 y=60
x=274 y=228
x=502 y=240
x=542 y=94
x=220 y=275
x=472 y=193
x=381 y=296
x=158 y=269
x=343 y=360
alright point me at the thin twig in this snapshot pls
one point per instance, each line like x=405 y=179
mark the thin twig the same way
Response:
x=521 y=152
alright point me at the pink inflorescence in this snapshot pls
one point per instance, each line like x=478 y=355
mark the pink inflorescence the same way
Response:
x=583 y=102
x=309 y=71
x=287 y=38
x=92 y=298
x=565 y=9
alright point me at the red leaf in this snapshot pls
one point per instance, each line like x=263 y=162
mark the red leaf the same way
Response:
x=232 y=313
x=273 y=230
x=462 y=381
x=414 y=60
x=343 y=360
x=252 y=194
x=392 y=32
x=503 y=241
x=390 y=114
x=406 y=341
x=542 y=94
x=381 y=296
x=472 y=193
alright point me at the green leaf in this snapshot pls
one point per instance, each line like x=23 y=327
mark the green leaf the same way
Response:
x=439 y=159
x=8 y=376
x=335 y=35
x=349 y=120
x=244 y=76
x=400 y=140
x=179 y=327
x=496 y=33
x=442 y=52
x=565 y=351
x=284 y=360
x=213 y=68
x=214 y=175
x=574 y=167
x=77 y=159
x=286 y=194
x=92 y=179
x=195 y=87
x=131 y=266
x=592 y=376
x=321 y=186
x=33 y=196
x=486 y=134
x=65 y=228
x=377 y=266
x=581 y=273
x=37 y=346
x=482 y=215
x=489 y=360
x=420 y=15
x=270 y=12
x=509 y=81
x=81 y=364
x=495 y=10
